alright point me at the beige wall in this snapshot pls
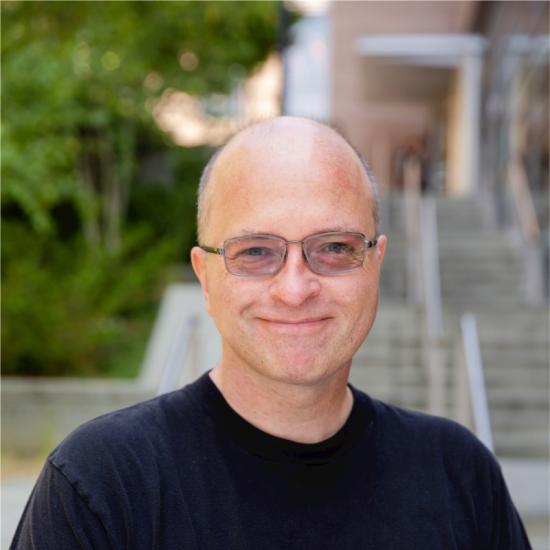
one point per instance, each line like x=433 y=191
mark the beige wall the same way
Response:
x=377 y=104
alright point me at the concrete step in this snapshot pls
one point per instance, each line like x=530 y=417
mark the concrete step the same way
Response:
x=508 y=333
x=466 y=301
x=479 y=277
x=464 y=284
x=515 y=365
x=494 y=269
x=470 y=286
x=531 y=399
x=505 y=419
x=514 y=346
x=453 y=214
x=476 y=265
x=463 y=241
x=523 y=384
x=525 y=443
x=496 y=382
x=485 y=291
x=528 y=482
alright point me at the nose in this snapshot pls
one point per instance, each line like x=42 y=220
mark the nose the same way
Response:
x=295 y=283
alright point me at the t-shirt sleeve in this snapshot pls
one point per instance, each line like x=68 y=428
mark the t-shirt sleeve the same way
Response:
x=57 y=517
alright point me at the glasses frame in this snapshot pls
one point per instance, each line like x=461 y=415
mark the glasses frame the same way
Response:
x=369 y=244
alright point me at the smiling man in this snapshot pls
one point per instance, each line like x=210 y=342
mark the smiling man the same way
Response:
x=291 y=315
x=272 y=449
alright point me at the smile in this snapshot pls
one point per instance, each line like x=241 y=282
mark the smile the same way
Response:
x=307 y=324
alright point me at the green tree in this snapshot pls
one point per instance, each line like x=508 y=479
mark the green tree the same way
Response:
x=78 y=80
x=83 y=243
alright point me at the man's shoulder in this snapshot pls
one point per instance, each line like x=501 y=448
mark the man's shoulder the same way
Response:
x=419 y=423
x=406 y=431
x=424 y=444
x=110 y=477
x=125 y=434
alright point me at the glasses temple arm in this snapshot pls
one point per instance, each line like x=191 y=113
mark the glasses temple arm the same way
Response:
x=371 y=244
x=212 y=249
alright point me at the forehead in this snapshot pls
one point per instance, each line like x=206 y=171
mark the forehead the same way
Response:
x=288 y=150
x=295 y=168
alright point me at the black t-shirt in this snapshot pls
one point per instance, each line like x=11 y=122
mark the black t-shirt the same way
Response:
x=184 y=471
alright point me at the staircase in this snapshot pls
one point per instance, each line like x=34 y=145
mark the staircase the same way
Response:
x=477 y=265
x=481 y=272
x=514 y=350
x=389 y=364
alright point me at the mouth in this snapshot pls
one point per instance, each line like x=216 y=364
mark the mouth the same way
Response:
x=295 y=325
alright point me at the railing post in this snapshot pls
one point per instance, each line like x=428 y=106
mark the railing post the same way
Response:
x=179 y=348
x=430 y=261
x=435 y=351
x=412 y=178
x=462 y=403
x=474 y=369
x=534 y=286
x=423 y=284
x=435 y=362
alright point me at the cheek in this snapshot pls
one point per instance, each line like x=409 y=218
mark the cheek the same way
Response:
x=359 y=302
x=230 y=299
x=217 y=291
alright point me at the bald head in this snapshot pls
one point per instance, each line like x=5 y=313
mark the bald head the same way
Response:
x=291 y=139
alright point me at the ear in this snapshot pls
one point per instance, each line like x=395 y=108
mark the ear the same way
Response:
x=381 y=248
x=198 y=261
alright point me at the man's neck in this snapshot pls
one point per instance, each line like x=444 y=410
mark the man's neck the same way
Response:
x=301 y=413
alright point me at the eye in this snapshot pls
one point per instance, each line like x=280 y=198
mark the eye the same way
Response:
x=338 y=248
x=256 y=251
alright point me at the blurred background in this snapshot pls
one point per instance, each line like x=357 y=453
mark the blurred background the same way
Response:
x=111 y=109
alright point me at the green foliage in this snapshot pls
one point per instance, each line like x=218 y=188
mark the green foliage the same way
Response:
x=87 y=239
x=68 y=311
x=78 y=78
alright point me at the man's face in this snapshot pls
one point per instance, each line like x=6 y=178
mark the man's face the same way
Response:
x=295 y=326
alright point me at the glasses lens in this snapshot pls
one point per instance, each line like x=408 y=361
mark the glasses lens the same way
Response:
x=254 y=255
x=333 y=253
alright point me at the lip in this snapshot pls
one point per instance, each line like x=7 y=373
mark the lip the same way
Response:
x=308 y=323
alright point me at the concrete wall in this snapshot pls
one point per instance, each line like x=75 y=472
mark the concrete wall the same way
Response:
x=38 y=413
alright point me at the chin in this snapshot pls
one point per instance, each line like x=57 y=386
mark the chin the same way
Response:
x=304 y=373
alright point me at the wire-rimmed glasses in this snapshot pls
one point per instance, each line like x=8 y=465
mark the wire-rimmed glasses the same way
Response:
x=333 y=253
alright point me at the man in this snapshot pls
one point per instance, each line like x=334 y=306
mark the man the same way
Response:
x=272 y=449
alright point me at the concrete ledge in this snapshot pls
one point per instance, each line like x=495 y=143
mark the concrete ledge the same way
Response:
x=37 y=413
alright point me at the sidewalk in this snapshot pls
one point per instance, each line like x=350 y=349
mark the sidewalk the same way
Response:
x=18 y=478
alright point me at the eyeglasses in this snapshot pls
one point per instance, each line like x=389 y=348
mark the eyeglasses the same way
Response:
x=326 y=253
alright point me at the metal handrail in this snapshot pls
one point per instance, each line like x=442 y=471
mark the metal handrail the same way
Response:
x=412 y=175
x=434 y=349
x=524 y=205
x=528 y=225
x=424 y=285
x=430 y=269
x=175 y=362
x=471 y=397
x=523 y=200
